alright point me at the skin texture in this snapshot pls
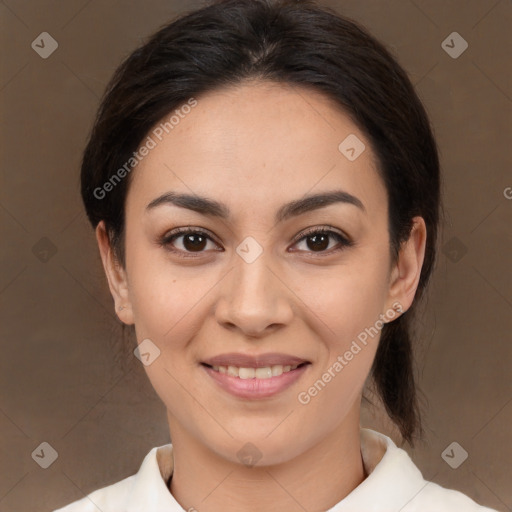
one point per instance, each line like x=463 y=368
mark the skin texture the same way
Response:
x=255 y=147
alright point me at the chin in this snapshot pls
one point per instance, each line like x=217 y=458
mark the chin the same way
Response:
x=255 y=447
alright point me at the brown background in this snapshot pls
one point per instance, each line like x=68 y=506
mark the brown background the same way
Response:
x=60 y=382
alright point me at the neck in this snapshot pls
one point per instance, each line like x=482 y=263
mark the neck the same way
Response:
x=315 y=480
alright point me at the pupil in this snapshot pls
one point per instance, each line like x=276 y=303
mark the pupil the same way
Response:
x=316 y=239
x=190 y=244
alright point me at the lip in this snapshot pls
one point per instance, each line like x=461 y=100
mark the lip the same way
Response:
x=256 y=388
x=254 y=361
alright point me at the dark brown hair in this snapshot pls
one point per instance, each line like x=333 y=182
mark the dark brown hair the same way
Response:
x=298 y=43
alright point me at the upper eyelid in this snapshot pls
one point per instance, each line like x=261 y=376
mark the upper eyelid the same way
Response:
x=189 y=230
x=321 y=229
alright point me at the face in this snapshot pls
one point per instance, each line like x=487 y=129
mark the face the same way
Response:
x=266 y=279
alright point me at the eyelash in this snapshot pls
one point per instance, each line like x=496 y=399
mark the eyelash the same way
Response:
x=167 y=239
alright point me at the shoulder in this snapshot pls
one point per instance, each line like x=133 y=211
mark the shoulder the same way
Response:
x=131 y=491
x=435 y=497
x=396 y=479
x=106 y=499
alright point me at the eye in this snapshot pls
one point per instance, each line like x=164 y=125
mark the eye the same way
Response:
x=194 y=240
x=318 y=240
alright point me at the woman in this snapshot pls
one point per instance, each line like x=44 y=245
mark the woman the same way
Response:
x=264 y=185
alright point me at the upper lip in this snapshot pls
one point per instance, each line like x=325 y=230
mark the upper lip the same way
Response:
x=254 y=361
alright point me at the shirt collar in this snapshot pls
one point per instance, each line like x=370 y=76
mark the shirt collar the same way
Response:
x=149 y=491
x=393 y=479
x=384 y=462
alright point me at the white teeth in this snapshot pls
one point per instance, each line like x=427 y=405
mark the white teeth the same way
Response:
x=232 y=371
x=246 y=373
x=277 y=370
x=265 y=372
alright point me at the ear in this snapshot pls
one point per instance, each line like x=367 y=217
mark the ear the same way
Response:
x=405 y=275
x=116 y=276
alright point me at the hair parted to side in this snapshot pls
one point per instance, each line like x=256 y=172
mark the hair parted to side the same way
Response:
x=298 y=43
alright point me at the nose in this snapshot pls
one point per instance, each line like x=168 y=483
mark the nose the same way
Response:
x=254 y=299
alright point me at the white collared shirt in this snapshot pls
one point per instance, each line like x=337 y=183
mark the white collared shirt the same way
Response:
x=393 y=484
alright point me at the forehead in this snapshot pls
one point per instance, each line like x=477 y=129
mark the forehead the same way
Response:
x=256 y=146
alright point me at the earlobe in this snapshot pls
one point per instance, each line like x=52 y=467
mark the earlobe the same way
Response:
x=406 y=274
x=116 y=276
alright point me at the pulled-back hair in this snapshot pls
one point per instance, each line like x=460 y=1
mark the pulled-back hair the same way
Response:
x=298 y=43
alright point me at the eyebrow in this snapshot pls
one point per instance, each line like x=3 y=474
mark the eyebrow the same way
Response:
x=213 y=208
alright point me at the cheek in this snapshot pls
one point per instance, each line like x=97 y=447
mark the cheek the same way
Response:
x=350 y=344
x=165 y=298
x=346 y=308
x=347 y=299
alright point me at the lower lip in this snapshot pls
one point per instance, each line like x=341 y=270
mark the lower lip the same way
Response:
x=256 y=388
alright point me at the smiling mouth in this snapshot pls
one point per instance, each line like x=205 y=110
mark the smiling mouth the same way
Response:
x=265 y=372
